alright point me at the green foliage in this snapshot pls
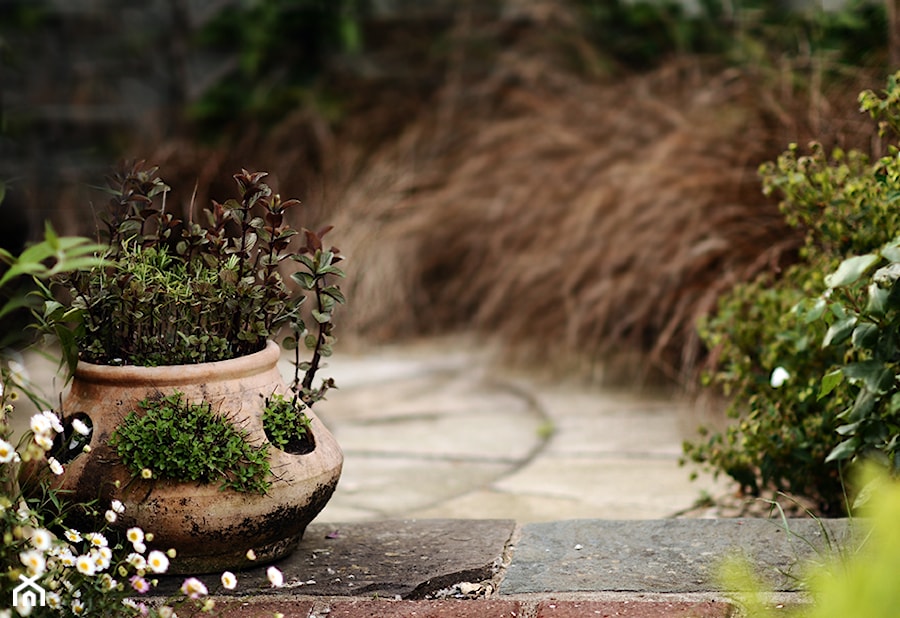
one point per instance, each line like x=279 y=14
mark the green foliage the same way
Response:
x=284 y=45
x=178 y=292
x=784 y=435
x=183 y=441
x=285 y=424
x=859 y=582
x=643 y=33
x=862 y=310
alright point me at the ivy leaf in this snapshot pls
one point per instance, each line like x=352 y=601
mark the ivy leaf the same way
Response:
x=851 y=269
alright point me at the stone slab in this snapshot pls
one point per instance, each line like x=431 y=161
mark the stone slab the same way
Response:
x=489 y=503
x=405 y=558
x=380 y=487
x=639 y=432
x=480 y=433
x=666 y=556
x=617 y=487
x=637 y=609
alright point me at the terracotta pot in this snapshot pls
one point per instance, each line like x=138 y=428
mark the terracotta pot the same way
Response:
x=211 y=529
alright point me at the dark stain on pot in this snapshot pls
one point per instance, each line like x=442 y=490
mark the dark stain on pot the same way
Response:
x=291 y=519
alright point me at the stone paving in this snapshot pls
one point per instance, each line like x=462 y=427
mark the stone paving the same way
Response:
x=436 y=430
x=458 y=568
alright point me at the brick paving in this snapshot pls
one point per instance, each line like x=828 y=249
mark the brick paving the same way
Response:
x=482 y=608
x=633 y=609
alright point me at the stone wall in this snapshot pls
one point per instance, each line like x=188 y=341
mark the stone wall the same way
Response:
x=81 y=78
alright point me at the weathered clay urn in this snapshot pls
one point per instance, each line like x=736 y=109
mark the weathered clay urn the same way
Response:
x=210 y=529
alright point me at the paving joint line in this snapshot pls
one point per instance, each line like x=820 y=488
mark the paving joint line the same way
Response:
x=514 y=387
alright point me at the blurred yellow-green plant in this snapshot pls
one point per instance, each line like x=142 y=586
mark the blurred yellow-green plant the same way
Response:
x=857 y=581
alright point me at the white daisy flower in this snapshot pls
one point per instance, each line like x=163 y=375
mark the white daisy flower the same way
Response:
x=55 y=466
x=157 y=561
x=79 y=426
x=40 y=424
x=85 y=565
x=193 y=588
x=275 y=577
x=41 y=539
x=96 y=539
x=54 y=420
x=7 y=452
x=34 y=561
x=229 y=581
x=136 y=560
x=54 y=601
x=43 y=440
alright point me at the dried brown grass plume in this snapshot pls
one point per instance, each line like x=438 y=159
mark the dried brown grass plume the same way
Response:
x=577 y=218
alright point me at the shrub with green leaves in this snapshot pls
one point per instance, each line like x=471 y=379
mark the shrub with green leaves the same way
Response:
x=183 y=441
x=784 y=432
x=862 y=310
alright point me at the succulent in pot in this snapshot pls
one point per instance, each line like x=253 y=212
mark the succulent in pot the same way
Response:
x=171 y=345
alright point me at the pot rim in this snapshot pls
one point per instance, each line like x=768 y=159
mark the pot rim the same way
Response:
x=251 y=364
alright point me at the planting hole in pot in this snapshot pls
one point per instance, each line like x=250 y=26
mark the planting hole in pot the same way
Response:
x=296 y=445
